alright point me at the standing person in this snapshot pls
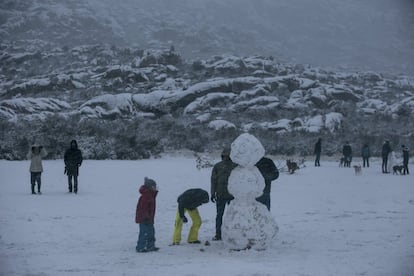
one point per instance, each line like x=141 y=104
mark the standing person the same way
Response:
x=145 y=214
x=406 y=157
x=219 y=193
x=36 y=153
x=347 y=152
x=188 y=202
x=317 y=151
x=386 y=149
x=73 y=160
x=366 y=154
x=270 y=172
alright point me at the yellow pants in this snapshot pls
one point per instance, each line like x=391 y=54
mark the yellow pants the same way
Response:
x=193 y=235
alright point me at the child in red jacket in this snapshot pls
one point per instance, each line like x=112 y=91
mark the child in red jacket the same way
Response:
x=145 y=216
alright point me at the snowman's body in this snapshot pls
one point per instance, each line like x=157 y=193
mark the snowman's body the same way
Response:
x=247 y=223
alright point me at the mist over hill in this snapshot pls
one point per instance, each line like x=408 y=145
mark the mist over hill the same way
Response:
x=359 y=35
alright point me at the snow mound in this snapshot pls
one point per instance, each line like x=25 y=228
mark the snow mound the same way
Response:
x=220 y=124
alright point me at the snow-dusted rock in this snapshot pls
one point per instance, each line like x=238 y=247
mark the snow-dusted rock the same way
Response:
x=318 y=97
x=209 y=101
x=333 y=121
x=314 y=124
x=33 y=105
x=32 y=85
x=221 y=124
x=262 y=102
x=112 y=106
x=342 y=92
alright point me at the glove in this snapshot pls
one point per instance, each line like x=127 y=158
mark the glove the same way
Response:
x=213 y=199
x=185 y=220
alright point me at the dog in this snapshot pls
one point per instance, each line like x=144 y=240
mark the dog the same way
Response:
x=203 y=162
x=292 y=166
x=357 y=169
x=397 y=169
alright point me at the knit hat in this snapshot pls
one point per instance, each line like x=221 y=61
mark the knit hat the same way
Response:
x=149 y=183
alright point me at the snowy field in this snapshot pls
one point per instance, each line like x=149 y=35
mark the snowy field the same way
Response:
x=331 y=222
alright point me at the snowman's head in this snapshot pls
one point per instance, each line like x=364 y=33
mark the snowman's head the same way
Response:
x=246 y=150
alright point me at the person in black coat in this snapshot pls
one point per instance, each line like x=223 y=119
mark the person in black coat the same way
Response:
x=219 y=193
x=73 y=160
x=270 y=172
x=188 y=202
x=317 y=151
x=366 y=154
x=386 y=149
x=406 y=157
x=347 y=152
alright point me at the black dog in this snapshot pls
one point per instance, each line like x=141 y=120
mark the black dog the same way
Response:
x=397 y=168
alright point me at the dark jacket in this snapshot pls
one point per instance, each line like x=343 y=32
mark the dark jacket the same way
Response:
x=406 y=155
x=365 y=151
x=219 y=179
x=269 y=171
x=318 y=147
x=347 y=150
x=73 y=159
x=191 y=199
x=386 y=149
x=145 y=212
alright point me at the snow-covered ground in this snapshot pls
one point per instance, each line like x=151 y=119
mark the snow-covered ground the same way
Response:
x=331 y=222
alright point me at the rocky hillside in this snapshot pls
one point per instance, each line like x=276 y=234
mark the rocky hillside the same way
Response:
x=123 y=102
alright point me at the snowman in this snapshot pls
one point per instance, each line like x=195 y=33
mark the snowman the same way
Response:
x=246 y=222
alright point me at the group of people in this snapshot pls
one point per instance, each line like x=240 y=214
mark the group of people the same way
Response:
x=191 y=199
x=386 y=151
x=72 y=158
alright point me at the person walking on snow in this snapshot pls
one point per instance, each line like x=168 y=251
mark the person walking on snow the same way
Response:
x=406 y=157
x=73 y=160
x=219 y=193
x=145 y=214
x=188 y=202
x=35 y=156
x=317 y=151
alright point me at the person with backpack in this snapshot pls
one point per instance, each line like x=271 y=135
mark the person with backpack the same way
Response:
x=269 y=172
x=73 y=160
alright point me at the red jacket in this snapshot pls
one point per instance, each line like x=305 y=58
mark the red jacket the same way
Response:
x=146 y=205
